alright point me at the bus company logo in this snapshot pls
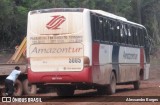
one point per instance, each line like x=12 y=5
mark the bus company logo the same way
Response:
x=55 y=22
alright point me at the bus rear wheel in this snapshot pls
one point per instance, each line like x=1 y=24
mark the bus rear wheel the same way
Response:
x=101 y=90
x=65 y=91
x=136 y=85
x=111 y=88
x=29 y=89
x=18 y=88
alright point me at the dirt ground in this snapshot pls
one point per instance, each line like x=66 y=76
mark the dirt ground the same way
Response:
x=148 y=88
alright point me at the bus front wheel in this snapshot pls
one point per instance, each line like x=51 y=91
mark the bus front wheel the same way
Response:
x=111 y=88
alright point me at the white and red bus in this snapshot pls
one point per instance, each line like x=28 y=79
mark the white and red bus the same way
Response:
x=76 y=48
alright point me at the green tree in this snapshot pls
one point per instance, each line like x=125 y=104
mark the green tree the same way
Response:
x=6 y=16
x=13 y=15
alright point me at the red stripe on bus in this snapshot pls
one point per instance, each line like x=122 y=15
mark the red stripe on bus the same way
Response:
x=95 y=53
x=142 y=58
x=60 y=77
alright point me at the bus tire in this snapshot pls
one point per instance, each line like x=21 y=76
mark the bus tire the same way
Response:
x=3 y=93
x=136 y=85
x=29 y=89
x=18 y=89
x=111 y=88
x=101 y=90
x=65 y=91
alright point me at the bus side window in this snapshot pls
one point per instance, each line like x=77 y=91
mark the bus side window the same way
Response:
x=130 y=36
x=93 y=26
x=135 y=34
x=132 y=33
x=100 y=29
x=110 y=31
x=97 y=29
x=126 y=33
x=106 y=30
x=137 y=37
x=114 y=31
x=141 y=37
x=122 y=34
x=118 y=32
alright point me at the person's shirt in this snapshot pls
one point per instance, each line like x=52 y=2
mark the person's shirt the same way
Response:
x=14 y=75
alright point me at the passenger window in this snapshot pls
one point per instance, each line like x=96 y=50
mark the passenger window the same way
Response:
x=126 y=33
x=100 y=29
x=137 y=37
x=118 y=32
x=93 y=25
x=123 y=34
x=97 y=28
x=106 y=30
x=114 y=31
x=130 y=36
x=110 y=31
x=141 y=37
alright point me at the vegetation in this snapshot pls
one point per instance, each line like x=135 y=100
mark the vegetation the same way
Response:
x=13 y=15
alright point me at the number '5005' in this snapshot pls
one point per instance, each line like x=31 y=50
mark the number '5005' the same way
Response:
x=74 y=60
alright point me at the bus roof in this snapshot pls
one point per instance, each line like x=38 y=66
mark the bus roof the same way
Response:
x=101 y=12
x=109 y=15
x=104 y=13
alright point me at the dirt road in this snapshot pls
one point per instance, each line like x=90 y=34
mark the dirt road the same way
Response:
x=148 y=88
